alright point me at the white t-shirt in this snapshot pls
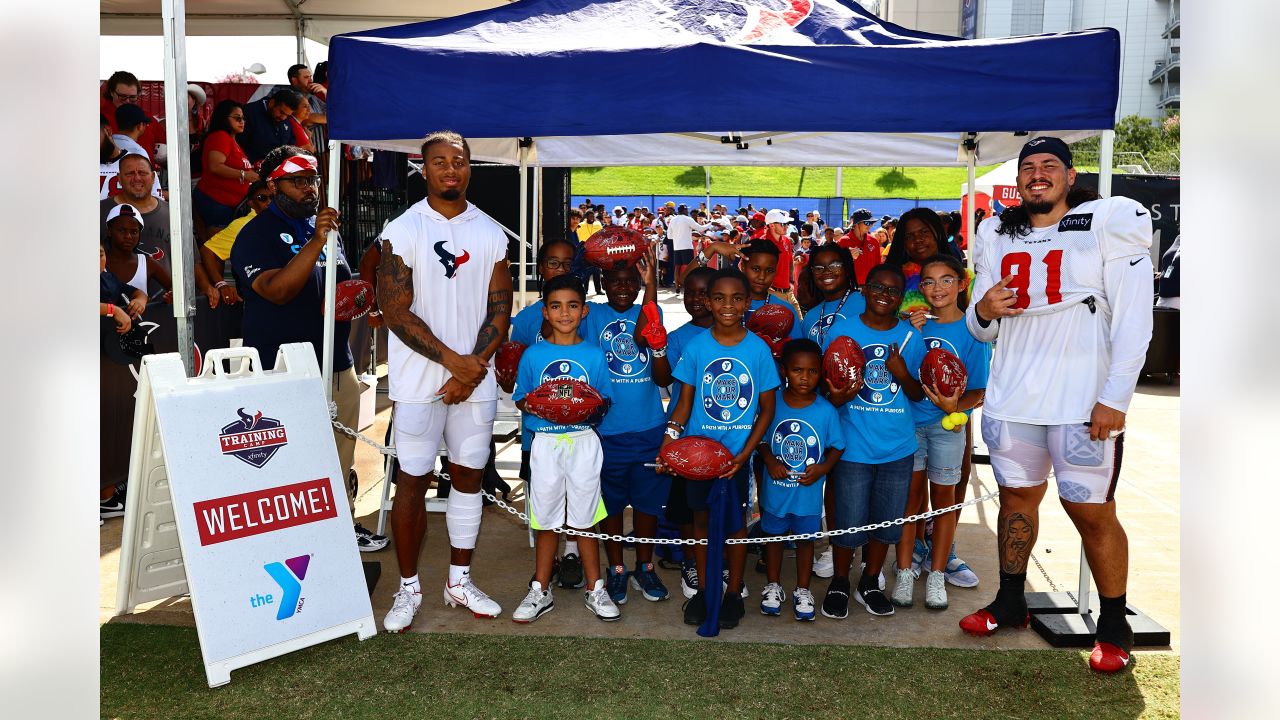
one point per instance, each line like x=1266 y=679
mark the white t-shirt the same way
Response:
x=1058 y=358
x=619 y=221
x=680 y=229
x=452 y=262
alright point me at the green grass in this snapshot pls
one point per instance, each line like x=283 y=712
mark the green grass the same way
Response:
x=152 y=671
x=858 y=182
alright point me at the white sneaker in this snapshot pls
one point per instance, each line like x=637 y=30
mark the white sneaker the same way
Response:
x=823 y=565
x=771 y=599
x=935 y=590
x=902 y=590
x=403 y=607
x=599 y=603
x=724 y=584
x=958 y=573
x=536 y=603
x=472 y=598
x=802 y=603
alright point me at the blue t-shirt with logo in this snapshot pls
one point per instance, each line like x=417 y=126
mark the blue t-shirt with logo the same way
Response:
x=800 y=437
x=547 y=361
x=676 y=341
x=631 y=367
x=727 y=382
x=878 y=424
x=976 y=356
x=526 y=327
x=818 y=321
x=796 y=332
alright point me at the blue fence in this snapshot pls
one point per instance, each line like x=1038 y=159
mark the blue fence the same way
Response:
x=832 y=210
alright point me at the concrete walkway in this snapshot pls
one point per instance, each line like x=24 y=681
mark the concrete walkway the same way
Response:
x=1148 y=498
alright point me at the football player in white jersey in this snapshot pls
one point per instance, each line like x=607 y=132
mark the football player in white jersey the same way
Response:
x=445 y=292
x=1065 y=282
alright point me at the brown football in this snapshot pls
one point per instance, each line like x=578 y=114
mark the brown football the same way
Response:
x=697 y=458
x=507 y=360
x=843 y=362
x=614 y=248
x=942 y=370
x=566 y=402
x=354 y=299
x=772 y=321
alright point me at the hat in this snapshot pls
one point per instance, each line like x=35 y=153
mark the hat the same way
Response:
x=616 y=208
x=670 y=204
x=758 y=216
x=1047 y=144
x=863 y=215
x=197 y=92
x=129 y=115
x=294 y=164
x=126 y=210
x=777 y=216
x=740 y=218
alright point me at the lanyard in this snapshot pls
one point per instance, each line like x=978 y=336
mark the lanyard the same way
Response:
x=822 y=329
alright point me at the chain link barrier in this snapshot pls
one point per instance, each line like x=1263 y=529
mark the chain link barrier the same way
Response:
x=333 y=413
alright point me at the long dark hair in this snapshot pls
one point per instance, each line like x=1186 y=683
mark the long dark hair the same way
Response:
x=953 y=263
x=898 y=247
x=843 y=255
x=220 y=118
x=1016 y=221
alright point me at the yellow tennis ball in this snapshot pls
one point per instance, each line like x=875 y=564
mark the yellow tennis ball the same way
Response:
x=959 y=418
x=947 y=424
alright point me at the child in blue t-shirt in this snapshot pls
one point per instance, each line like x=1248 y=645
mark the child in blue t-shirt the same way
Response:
x=874 y=473
x=804 y=444
x=830 y=278
x=760 y=264
x=630 y=437
x=564 y=484
x=940 y=455
x=729 y=378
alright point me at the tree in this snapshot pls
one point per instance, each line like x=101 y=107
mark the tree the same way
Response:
x=1159 y=144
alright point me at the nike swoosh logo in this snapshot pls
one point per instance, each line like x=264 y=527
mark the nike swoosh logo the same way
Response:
x=1139 y=213
x=1135 y=262
x=991 y=626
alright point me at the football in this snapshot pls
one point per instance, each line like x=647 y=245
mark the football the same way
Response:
x=614 y=248
x=775 y=344
x=843 y=362
x=507 y=360
x=355 y=298
x=697 y=458
x=772 y=320
x=943 y=371
x=566 y=402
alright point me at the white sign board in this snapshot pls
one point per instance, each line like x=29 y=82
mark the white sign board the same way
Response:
x=257 y=497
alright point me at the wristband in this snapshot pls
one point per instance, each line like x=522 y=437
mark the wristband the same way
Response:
x=108 y=309
x=673 y=433
x=241 y=177
x=220 y=284
x=660 y=352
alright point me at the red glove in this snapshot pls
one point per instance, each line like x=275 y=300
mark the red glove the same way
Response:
x=653 y=332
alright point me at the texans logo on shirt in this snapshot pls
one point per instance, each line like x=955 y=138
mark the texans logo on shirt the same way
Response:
x=878 y=386
x=450 y=261
x=626 y=358
x=727 y=389
x=563 y=369
x=795 y=443
x=740 y=20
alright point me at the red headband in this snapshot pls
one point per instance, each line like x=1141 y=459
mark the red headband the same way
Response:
x=294 y=164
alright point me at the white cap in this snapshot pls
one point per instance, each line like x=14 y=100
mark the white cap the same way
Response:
x=127 y=210
x=777 y=216
x=198 y=93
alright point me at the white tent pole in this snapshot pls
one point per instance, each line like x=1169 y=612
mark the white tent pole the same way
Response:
x=971 y=161
x=180 y=230
x=331 y=269
x=707 y=173
x=524 y=215
x=536 y=231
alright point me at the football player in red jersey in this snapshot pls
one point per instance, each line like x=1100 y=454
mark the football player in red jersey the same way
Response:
x=1064 y=281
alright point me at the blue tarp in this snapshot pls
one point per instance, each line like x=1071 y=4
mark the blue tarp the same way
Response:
x=542 y=68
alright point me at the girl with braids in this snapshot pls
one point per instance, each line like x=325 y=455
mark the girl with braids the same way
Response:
x=920 y=235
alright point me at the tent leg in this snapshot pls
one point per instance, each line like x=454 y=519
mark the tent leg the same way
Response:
x=175 y=103
x=524 y=217
x=971 y=164
x=331 y=269
x=1106 y=151
x=535 y=231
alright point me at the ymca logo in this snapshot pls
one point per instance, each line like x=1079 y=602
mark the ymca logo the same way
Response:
x=289 y=576
x=795 y=443
x=938 y=342
x=253 y=438
x=878 y=386
x=741 y=21
x=727 y=390
x=450 y=261
x=624 y=356
x=563 y=369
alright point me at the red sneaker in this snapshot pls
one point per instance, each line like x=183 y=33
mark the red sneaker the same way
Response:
x=1107 y=658
x=983 y=623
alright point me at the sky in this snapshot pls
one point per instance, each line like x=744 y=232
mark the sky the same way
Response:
x=208 y=57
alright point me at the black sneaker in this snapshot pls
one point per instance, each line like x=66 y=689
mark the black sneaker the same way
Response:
x=555 y=574
x=367 y=541
x=695 y=609
x=113 y=506
x=731 y=611
x=571 y=571
x=836 y=603
x=872 y=598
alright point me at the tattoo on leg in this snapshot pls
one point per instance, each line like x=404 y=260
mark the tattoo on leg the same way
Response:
x=1017 y=534
x=499 y=306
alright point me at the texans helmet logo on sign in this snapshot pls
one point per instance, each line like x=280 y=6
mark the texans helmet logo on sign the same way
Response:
x=740 y=21
x=727 y=389
x=878 y=385
x=626 y=358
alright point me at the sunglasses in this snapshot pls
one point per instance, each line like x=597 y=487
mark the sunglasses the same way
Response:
x=884 y=289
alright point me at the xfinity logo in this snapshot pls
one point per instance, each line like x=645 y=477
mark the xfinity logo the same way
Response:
x=1076 y=222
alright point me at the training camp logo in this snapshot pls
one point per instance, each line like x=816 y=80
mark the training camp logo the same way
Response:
x=878 y=386
x=450 y=261
x=795 y=443
x=727 y=389
x=626 y=359
x=562 y=370
x=253 y=438
x=289 y=576
x=739 y=21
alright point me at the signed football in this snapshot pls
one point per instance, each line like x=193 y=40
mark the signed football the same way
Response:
x=843 y=363
x=566 y=402
x=614 y=248
x=355 y=298
x=697 y=458
x=943 y=371
x=775 y=345
x=772 y=320
x=507 y=360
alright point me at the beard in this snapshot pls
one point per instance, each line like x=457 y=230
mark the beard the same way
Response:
x=298 y=209
x=1044 y=207
x=451 y=194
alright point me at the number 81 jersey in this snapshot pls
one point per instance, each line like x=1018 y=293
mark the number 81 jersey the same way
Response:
x=1052 y=361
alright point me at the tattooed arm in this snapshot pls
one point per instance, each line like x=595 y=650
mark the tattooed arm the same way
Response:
x=497 y=316
x=395 y=297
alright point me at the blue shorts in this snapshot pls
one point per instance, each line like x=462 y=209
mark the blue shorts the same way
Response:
x=870 y=493
x=941 y=452
x=789 y=524
x=212 y=212
x=624 y=480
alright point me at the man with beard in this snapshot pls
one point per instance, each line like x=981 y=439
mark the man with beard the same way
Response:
x=1064 y=282
x=279 y=264
x=445 y=291
x=110 y=156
